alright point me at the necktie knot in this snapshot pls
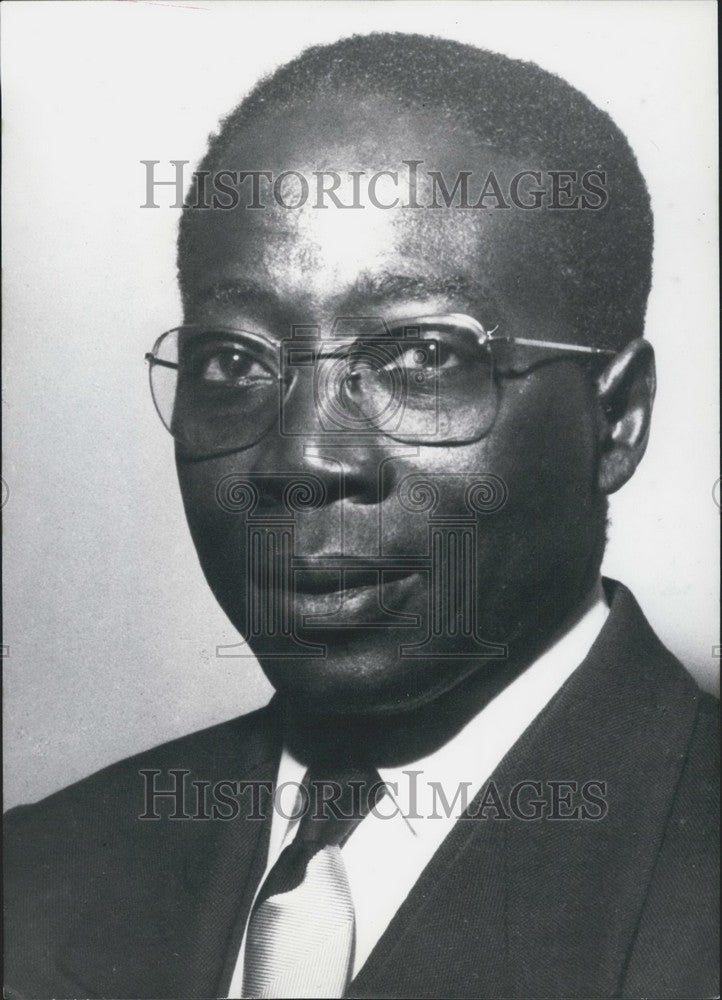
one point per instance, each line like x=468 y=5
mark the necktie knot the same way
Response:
x=333 y=804
x=331 y=807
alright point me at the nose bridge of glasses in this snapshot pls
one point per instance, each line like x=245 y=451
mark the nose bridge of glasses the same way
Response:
x=299 y=405
x=314 y=403
x=314 y=434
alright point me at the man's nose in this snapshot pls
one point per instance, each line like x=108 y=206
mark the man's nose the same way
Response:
x=315 y=436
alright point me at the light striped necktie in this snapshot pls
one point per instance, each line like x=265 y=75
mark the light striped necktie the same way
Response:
x=300 y=940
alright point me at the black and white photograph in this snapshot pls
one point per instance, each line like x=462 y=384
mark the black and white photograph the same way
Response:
x=360 y=499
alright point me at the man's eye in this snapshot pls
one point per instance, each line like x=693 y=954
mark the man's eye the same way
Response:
x=430 y=355
x=227 y=365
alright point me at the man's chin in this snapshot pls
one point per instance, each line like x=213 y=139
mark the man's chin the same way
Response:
x=322 y=690
x=345 y=686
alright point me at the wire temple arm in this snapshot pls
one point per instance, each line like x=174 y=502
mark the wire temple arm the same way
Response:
x=556 y=346
x=158 y=361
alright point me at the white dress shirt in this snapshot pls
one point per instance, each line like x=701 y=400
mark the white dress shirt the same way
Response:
x=387 y=852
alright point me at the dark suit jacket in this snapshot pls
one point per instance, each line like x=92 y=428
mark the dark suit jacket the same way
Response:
x=102 y=904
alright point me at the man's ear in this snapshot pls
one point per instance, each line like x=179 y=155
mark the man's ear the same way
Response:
x=626 y=394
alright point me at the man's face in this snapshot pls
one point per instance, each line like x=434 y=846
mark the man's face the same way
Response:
x=509 y=575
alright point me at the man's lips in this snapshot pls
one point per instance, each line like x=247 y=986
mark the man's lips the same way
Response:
x=333 y=573
x=336 y=581
x=373 y=591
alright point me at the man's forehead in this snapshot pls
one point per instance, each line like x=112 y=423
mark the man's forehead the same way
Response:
x=367 y=255
x=385 y=233
x=334 y=260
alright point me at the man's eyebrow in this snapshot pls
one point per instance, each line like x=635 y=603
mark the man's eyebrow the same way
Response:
x=389 y=287
x=369 y=289
x=238 y=292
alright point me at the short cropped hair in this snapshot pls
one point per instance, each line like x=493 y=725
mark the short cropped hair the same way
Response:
x=604 y=257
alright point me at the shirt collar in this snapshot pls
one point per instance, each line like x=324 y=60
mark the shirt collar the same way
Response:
x=423 y=788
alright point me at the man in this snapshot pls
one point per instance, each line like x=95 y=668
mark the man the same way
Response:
x=399 y=405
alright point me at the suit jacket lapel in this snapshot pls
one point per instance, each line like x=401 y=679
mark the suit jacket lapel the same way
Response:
x=549 y=907
x=224 y=881
x=172 y=932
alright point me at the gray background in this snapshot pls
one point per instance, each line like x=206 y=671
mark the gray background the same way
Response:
x=110 y=629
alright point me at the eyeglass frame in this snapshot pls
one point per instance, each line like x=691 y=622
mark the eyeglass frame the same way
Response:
x=485 y=339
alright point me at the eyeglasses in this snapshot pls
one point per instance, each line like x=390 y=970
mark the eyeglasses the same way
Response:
x=427 y=380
